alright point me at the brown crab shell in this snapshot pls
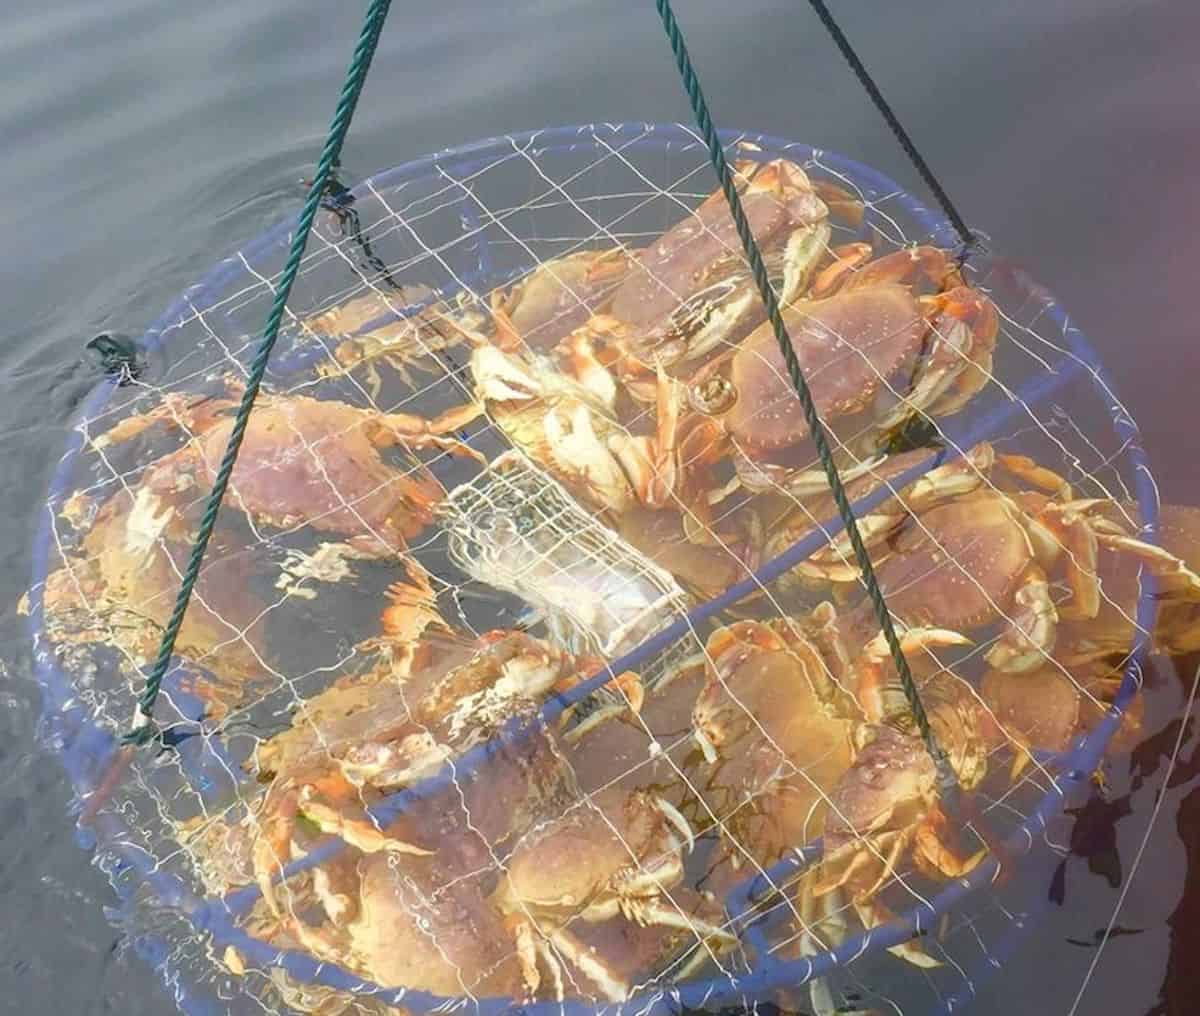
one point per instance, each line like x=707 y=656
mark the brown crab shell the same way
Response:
x=704 y=247
x=562 y=863
x=704 y=569
x=422 y=928
x=892 y=774
x=313 y=462
x=560 y=295
x=1051 y=706
x=123 y=586
x=951 y=569
x=847 y=345
x=778 y=742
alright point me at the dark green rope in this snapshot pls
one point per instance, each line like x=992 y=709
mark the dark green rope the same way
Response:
x=969 y=241
x=946 y=774
x=356 y=76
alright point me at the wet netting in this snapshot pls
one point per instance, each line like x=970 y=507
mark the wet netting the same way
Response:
x=529 y=665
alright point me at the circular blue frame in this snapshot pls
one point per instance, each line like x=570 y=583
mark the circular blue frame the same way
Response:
x=86 y=748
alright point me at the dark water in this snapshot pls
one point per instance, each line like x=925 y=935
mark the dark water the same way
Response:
x=143 y=141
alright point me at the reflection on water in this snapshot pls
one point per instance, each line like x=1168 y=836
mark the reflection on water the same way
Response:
x=145 y=141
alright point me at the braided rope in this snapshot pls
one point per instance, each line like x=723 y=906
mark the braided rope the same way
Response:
x=142 y=730
x=691 y=84
x=969 y=241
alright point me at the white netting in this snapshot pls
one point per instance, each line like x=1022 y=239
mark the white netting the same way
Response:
x=465 y=489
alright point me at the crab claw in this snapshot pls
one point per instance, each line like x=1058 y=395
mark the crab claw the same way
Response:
x=1031 y=633
x=579 y=451
x=849 y=257
x=674 y=816
x=651 y=463
x=707 y=748
x=625 y=691
x=630 y=686
x=501 y=378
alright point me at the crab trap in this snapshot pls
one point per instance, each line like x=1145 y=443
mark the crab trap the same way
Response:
x=529 y=665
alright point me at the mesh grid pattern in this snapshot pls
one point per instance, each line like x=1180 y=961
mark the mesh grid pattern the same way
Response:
x=355 y=764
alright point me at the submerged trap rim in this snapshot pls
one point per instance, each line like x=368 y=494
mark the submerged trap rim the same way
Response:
x=85 y=748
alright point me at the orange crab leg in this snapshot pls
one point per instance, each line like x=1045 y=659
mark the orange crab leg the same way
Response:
x=902 y=265
x=272 y=846
x=192 y=413
x=628 y=684
x=652 y=464
x=931 y=849
x=1030 y=471
x=842 y=202
x=859 y=859
x=506 y=338
x=899 y=844
x=405 y=428
x=849 y=257
x=360 y=833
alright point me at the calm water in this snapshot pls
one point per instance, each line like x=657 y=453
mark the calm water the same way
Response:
x=143 y=141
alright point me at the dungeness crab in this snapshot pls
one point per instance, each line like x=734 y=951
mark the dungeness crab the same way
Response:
x=306 y=462
x=506 y=880
x=874 y=353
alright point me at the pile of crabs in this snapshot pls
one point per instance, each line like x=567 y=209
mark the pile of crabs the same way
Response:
x=538 y=857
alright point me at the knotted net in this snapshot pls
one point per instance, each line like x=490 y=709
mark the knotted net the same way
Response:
x=528 y=661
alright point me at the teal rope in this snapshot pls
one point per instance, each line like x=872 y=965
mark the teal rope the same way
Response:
x=356 y=77
x=969 y=241
x=691 y=84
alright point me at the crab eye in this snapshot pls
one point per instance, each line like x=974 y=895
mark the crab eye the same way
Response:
x=525 y=524
x=713 y=396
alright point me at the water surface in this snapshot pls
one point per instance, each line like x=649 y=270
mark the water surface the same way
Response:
x=144 y=141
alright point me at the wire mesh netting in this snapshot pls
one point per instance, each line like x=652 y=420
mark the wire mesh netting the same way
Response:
x=529 y=662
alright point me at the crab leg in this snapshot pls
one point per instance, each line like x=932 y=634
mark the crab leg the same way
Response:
x=849 y=257
x=873 y=913
x=859 y=859
x=931 y=849
x=628 y=693
x=613 y=988
x=870 y=666
x=832 y=925
x=528 y=951
x=405 y=428
x=190 y=412
x=1030 y=471
x=272 y=847
x=843 y=204
x=356 y=832
x=652 y=463
x=578 y=451
x=1172 y=574
x=757 y=478
x=1030 y=636
x=834 y=562
x=655 y=912
x=959 y=361
x=1081 y=546
x=899 y=845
